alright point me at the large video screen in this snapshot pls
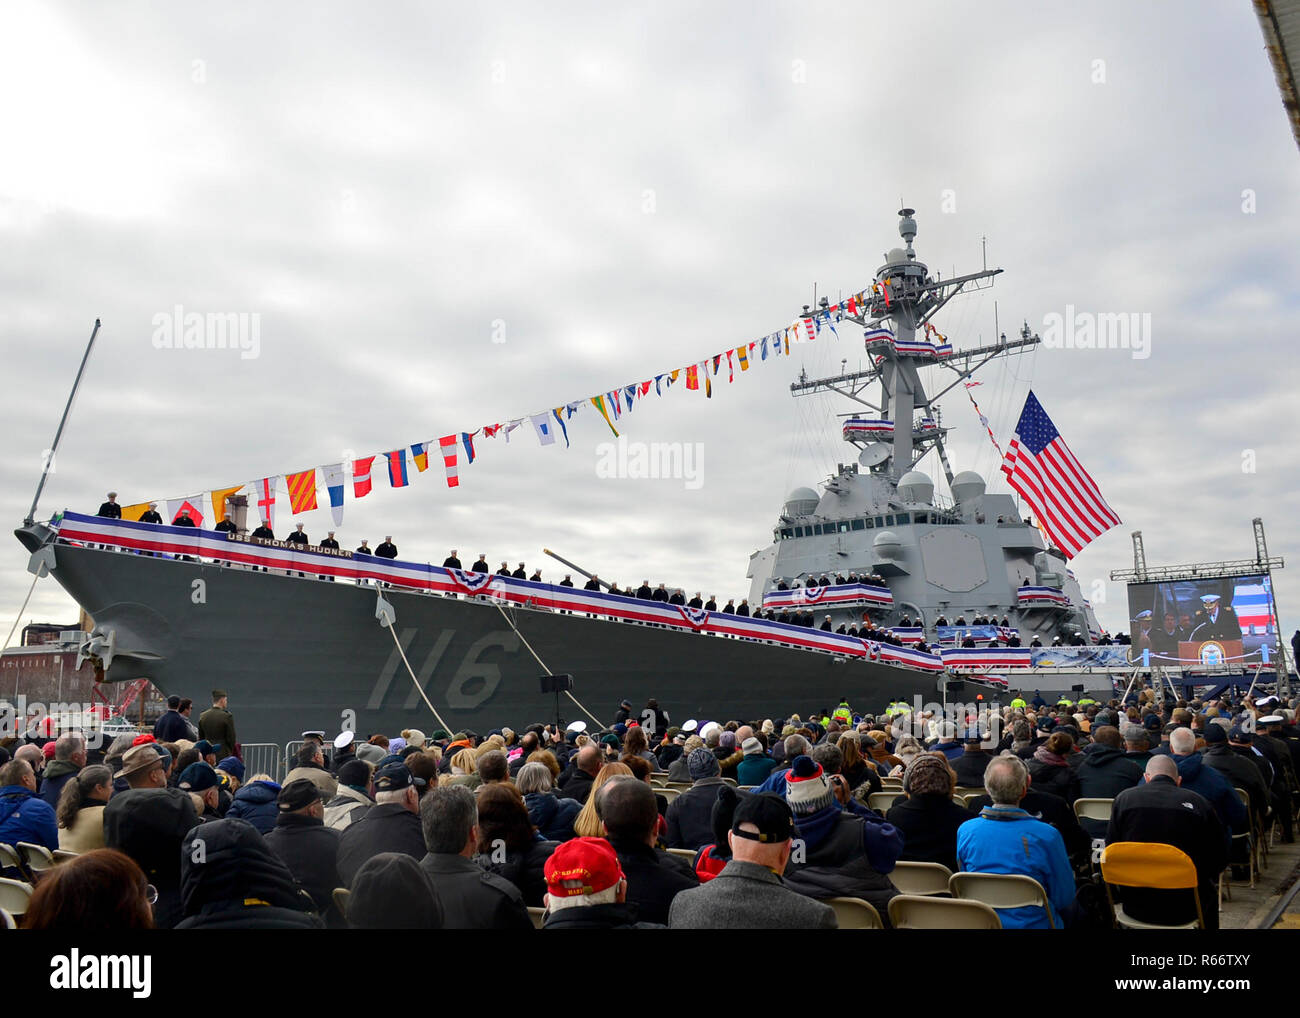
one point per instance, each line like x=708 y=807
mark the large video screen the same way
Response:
x=1189 y=622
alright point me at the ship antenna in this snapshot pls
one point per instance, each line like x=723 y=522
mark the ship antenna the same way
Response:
x=49 y=460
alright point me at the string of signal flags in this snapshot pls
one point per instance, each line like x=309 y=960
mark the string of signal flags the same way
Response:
x=463 y=447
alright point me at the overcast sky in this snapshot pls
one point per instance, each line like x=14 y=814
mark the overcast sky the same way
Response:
x=396 y=188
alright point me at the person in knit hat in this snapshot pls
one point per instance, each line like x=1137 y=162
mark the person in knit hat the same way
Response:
x=847 y=850
x=928 y=818
x=689 y=814
x=729 y=754
x=756 y=766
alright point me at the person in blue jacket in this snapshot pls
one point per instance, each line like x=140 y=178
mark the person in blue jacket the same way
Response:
x=1006 y=839
x=256 y=803
x=24 y=816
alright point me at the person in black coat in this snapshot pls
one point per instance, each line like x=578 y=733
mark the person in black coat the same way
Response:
x=504 y=570
x=567 y=581
x=576 y=782
x=929 y=819
x=330 y=542
x=471 y=897
x=970 y=765
x=226 y=526
x=388 y=549
x=171 y=727
x=1106 y=770
x=1160 y=811
x=1050 y=768
x=520 y=573
x=299 y=536
x=110 y=509
x=593 y=583
x=480 y=566
x=264 y=532
x=183 y=520
x=690 y=814
x=391 y=825
x=307 y=847
x=644 y=592
x=151 y=515
x=508 y=843
x=677 y=597
x=654 y=877
x=452 y=562
x=236 y=882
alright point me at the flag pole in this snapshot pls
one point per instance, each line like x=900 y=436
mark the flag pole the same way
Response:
x=49 y=460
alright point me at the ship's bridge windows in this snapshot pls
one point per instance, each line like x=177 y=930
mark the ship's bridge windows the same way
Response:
x=787 y=533
x=889 y=521
x=870 y=523
x=844 y=527
x=859 y=524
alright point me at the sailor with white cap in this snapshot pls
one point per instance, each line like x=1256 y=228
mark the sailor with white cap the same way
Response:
x=110 y=509
x=151 y=515
x=1215 y=621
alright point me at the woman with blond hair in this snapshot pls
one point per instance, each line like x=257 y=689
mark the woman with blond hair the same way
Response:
x=464 y=769
x=588 y=824
x=907 y=749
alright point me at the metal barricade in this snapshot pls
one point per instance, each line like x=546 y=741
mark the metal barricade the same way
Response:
x=263 y=758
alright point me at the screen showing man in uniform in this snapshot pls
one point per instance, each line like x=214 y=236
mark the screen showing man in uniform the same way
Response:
x=1213 y=621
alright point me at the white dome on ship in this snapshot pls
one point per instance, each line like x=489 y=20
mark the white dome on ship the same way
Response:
x=967 y=485
x=801 y=502
x=896 y=255
x=888 y=545
x=916 y=487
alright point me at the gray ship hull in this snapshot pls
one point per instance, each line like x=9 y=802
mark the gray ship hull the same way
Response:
x=299 y=653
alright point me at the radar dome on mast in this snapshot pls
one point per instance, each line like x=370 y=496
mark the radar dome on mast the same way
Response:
x=967 y=486
x=916 y=488
x=801 y=502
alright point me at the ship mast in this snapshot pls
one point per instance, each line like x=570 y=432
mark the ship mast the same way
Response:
x=904 y=299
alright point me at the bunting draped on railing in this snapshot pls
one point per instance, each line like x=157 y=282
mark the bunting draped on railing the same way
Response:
x=167 y=541
x=612 y=405
x=841 y=595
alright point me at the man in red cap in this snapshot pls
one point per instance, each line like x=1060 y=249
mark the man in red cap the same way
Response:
x=586 y=889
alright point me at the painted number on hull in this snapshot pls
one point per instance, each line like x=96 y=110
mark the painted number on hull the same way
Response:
x=472 y=684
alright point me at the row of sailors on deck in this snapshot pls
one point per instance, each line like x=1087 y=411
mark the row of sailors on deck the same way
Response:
x=785 y=582
x=978 y=620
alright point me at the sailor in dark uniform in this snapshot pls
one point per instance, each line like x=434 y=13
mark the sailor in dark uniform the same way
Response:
x=1215 y=621
x=677 y=597
x=839 y=578
x=826 y=624
x=843 y=630
x=150 y=515
x=695 y=602
x=743 y=608
x=224 y=527
x=110 y=509
x=567 y=581
x=593 y=583
x=480 y=566
x=388 y=549
x=264 y=532
x=711 y=605
x=782 y=585
x=504 y=570
x=536 y=577
x=519 y=573
x=299 y=537
x=332 y=545
x=644 y=592
x=451 y=561
x=183 y=520
x=660 y=593
x=364 y=549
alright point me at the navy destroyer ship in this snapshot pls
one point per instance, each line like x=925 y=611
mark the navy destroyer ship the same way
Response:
x=392 y=644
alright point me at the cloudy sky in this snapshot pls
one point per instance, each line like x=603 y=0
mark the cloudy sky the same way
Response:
x=445 y=219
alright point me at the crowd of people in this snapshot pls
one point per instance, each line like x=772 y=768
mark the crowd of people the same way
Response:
x=769 y=818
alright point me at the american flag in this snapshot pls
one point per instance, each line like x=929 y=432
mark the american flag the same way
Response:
x=1040 y=466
